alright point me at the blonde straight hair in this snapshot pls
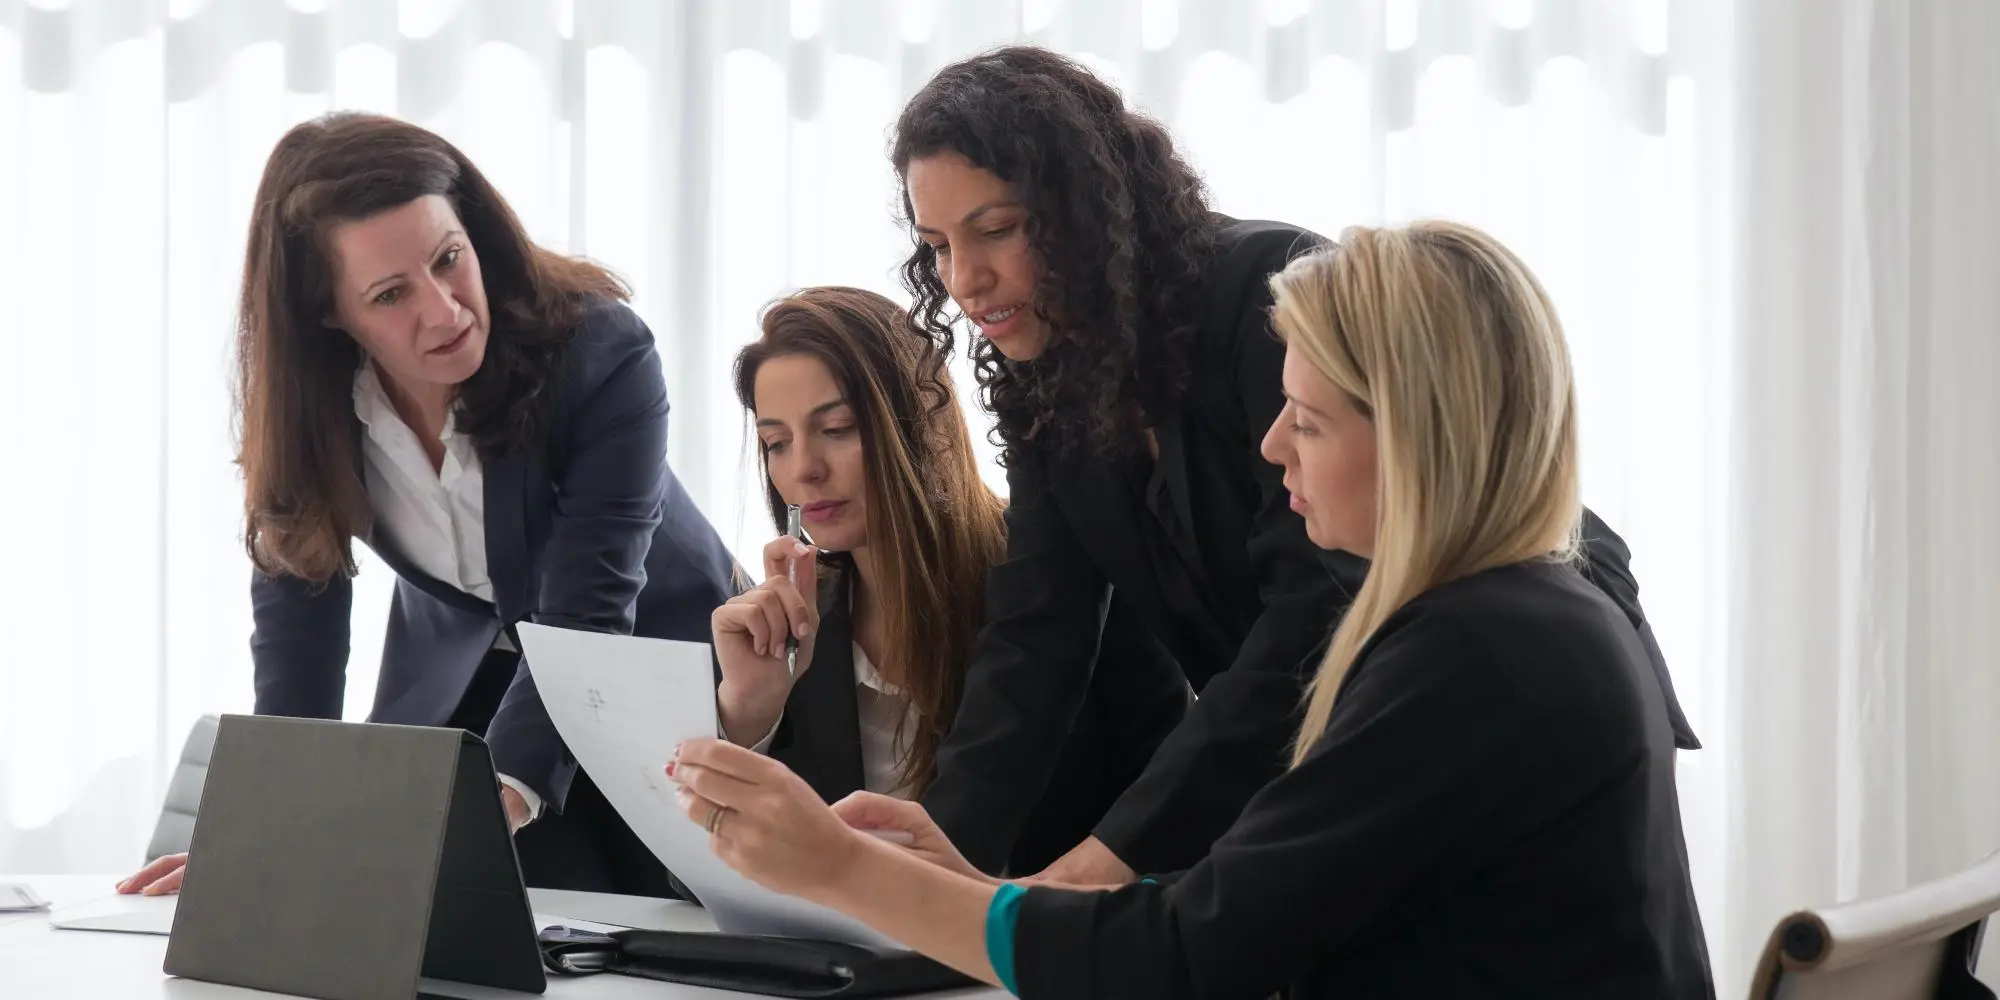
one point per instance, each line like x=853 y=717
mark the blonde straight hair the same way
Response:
x=1443 y=337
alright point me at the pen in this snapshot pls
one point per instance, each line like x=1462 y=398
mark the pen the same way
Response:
x=792 y=528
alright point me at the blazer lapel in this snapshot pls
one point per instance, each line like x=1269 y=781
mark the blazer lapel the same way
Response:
x=505 y=493
x=1171 y=435
x=1113 y=516
x=1175 y=516
x=825 y=745
x=1103 y=506
x=385 y=548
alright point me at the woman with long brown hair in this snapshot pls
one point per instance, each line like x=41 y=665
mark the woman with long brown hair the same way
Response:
x=490 y=419
x=858 y=425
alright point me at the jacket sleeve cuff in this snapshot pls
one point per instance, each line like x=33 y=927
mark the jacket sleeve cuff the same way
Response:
x=1053 y=935
x=1123 y=833
x=763 y=746
x=546 y=770
x=528 y=795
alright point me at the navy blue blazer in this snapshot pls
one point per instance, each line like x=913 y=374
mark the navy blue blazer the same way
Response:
x=591 y=531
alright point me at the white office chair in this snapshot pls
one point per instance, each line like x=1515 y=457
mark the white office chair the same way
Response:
x=1918 y=944
x=176 y=824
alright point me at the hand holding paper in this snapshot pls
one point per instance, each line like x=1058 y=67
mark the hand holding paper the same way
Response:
x=622 y=704
x=762 y=819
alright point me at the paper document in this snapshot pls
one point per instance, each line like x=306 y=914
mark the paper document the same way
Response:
x=16 y=898
x=118 y=914
x=155 y=915
x=622 y=703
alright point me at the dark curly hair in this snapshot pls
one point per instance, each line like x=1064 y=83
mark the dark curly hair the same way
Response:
x=1120 y=220
x=304 y=501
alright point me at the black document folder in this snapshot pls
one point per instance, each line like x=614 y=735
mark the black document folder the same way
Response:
x=770 y=966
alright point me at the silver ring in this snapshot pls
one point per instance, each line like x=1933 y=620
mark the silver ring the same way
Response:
x=715 y=820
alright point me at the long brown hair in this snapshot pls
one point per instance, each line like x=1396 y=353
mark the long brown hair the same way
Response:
x=936 y=528
x=303 y=498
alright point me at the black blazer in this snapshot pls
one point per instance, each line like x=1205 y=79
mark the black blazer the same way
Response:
x=1205 y=548
x=591 y=531
x=1491 y=812
x=1137 y=696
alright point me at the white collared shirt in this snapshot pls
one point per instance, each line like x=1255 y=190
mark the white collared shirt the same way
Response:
x=435 y=518
x=885 y=715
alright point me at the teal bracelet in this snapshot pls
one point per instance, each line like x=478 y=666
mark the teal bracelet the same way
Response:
x=1001 y=915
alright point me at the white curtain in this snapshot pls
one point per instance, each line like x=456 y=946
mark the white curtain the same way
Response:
x=1859 y=671
x=1777 y=285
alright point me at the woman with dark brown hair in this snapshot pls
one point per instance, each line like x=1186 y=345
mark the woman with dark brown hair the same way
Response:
x=491 y=420
x=858 y=425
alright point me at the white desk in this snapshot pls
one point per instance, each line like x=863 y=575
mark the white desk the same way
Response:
x=39 y=961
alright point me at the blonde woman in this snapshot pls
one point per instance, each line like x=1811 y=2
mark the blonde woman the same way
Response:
x=1481 y=800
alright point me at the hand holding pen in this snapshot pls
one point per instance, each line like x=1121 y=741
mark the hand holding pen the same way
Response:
x=763 y=641
x=796 y=532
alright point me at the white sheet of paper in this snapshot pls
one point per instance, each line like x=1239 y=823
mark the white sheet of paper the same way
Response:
x=155 y=915
x=118 y=914
x=622 y=703
x=18 y=898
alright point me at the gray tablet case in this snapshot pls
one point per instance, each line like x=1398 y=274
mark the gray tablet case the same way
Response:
x=348 y=861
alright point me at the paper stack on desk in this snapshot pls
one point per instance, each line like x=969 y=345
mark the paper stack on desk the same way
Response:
x=622 y=703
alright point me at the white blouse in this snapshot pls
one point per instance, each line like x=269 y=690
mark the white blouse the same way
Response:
x=880 y=707
x=436 y=518
x=882 y=710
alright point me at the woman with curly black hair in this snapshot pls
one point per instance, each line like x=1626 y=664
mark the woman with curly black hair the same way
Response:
x=1126 y=352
